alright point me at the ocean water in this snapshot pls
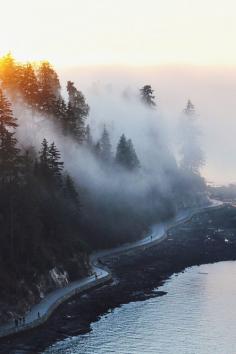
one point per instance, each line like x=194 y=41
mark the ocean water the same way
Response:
x=197 y=316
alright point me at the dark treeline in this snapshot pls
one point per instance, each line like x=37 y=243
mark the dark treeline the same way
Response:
x=39 y=211
x=49 y=220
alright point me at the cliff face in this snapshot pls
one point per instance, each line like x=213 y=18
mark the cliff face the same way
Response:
x=18 y=296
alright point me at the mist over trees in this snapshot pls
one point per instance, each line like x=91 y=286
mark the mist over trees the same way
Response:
x=75 y=190
x=105 y=146
x=126 y=155
x=147 y=96
x=192 y=157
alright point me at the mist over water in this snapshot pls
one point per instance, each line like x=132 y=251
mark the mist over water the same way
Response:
x=211 y=89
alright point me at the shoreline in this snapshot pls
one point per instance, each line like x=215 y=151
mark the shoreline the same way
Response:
x=104 y=275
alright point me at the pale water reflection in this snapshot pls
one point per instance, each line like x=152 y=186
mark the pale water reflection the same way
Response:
x=197 y=316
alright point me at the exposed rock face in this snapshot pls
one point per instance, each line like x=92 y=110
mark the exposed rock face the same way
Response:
x=60 y=277
x=16 y=300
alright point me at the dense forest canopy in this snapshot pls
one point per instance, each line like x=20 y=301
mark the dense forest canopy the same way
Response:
x=65 y=190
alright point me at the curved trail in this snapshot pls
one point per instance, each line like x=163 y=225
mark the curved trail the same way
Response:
x=42 y=311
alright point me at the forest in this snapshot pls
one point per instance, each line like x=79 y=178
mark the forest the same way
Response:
x=73 y=191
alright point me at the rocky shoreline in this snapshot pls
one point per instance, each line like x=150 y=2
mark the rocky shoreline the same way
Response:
x=209 y=237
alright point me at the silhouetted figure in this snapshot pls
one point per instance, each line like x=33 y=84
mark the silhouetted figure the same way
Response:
x=38 y=314
x=23 y=320
x=16 y=322
x=151 y=237
x=96 y=276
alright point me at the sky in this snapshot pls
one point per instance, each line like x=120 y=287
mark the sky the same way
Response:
x=184 y=48
x=130 y=32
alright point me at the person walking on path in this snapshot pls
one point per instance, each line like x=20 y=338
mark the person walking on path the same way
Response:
x=38 y=314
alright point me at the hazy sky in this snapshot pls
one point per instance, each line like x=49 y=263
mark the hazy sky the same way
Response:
x=133 y=32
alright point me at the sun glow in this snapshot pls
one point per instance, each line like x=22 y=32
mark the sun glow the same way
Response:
x=129 y=32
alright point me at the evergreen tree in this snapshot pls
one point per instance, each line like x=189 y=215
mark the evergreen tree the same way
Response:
x=6 y=115
x=192 y=157
x=49 y=88
x=9 y=153
x=105 y=145
x=189 y=110
x=132 y=156
x=126 y=155
x=76 y=113
x=88 y=137
x=43 y=167
x=9 y=73
x=60 y=111
x=121 y=151
x=98 y=150
x=28 y=86
x=71 y=124
x=50 y=164
x=55 y=165
x=44 y=153
x=147 y=96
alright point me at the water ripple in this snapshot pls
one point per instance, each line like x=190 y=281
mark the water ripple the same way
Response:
x=197 y=316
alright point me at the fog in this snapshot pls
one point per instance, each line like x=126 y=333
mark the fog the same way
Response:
x=155 y=141
x=120 y=202
x=211 y=89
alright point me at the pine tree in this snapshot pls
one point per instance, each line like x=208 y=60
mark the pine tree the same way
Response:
x=6 y=115
x=105 y=145
x=71 y=124
x=43 y=167
x=9 y=153
x=192 y=157
x=28 y=86
x=9 y=73
x=88 y=137
x=98 y=150
x=132 y=156
x=60 y=110
x=55 y=165
x=76 y=113
x=50 y=166
x=44 y=152
x=121 y=151
x=147 y=96
x=189 y=109
x=126 y=155
x=49 y=88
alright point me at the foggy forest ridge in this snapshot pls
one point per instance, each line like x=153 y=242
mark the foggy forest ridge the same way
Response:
x=210 y=87
x=78 y=175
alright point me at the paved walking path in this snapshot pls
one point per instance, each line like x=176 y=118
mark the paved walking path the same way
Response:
x=42 y=311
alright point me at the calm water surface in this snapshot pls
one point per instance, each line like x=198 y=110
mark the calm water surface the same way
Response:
x=197 y=316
